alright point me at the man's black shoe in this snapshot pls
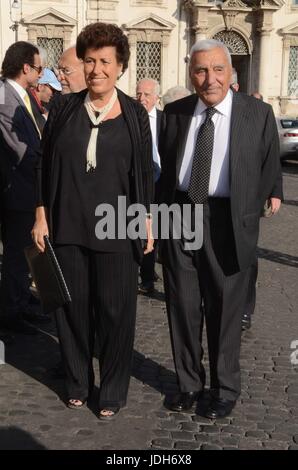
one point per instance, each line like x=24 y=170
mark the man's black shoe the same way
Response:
x=146 y=288
x=181 y=401
x=219 y=408
x=245 y=322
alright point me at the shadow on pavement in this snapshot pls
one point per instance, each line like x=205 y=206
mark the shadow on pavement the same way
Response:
x=13 y=438
x=153 y=374
x=289 y=202
x=36 y=356
x=290 y=167
x=278 y=257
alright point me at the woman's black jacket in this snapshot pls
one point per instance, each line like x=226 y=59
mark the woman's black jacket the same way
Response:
x=63 y=108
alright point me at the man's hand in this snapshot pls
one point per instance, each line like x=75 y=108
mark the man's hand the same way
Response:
x=275 y=204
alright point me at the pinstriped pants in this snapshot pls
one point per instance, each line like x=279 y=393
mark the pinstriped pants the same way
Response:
x=212 y=274
x=103 y=287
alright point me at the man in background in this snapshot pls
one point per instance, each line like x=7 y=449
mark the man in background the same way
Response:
x=70 y=72
x=147 y=94
x=42 y=94
x=234 y=80
x=175 y=93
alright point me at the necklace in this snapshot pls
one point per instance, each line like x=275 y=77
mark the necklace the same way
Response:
x=96 y=119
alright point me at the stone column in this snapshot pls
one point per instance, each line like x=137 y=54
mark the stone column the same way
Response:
x=200 y=25
x=164 y=61
x=200 y=32
x=264 y=23
x=132 y=40
x=264 y=71
x=32 y=34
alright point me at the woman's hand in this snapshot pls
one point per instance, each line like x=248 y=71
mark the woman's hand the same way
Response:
x=40 y=228
x=150 y=239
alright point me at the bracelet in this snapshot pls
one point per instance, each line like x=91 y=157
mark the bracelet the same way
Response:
x=149 y=215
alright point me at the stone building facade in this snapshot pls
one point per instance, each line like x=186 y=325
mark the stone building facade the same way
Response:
x=262 y=36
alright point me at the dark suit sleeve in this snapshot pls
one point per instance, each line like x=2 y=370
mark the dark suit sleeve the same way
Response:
x=44 y=164
x=271 y=160
x=161 y=137
x=162 y=149
x=19 y=140
x=277 y=189
x=146 y=157
x=13 y=132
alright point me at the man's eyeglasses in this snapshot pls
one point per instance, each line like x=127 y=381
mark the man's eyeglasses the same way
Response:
x=63 y=71
x=38 y=68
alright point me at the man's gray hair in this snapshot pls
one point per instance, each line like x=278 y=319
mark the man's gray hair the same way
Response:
x=175 y=93
x=207 y=45
x=154 y=82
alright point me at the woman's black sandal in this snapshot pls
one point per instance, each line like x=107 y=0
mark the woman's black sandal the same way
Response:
x=74 y=406
x=112 y=412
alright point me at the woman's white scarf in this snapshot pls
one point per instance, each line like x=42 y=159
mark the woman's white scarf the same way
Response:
x=103 y=112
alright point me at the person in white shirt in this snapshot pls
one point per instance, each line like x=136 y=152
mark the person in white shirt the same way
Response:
x=147 y=93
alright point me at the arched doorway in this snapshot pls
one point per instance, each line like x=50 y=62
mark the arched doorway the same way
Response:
x=240 y=56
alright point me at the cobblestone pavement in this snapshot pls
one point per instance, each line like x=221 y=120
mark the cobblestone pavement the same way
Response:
x=33 y=415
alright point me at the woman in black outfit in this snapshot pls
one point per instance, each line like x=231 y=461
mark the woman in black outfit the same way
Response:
x=97 y=147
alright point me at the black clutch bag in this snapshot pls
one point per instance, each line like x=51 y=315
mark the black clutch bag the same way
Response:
x=48 y=277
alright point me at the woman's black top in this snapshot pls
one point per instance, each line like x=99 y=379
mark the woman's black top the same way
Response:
x=80 y=193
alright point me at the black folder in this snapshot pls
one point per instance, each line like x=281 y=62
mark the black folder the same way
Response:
x=48 y=277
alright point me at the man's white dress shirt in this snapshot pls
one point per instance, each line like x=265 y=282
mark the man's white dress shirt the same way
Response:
x=219 y=185
x=156 y=158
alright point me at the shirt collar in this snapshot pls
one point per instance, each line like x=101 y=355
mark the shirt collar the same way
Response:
x=153 y=112
x=224 y=107
x=18 y=88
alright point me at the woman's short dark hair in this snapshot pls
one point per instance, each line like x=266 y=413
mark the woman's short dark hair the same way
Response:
x=98 y=35
x=16 y=56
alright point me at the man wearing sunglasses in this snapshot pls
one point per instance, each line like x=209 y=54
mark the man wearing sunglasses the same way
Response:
x=20 y=151
x=70 y=72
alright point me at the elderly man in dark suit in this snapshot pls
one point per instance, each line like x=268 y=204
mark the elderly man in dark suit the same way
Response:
x=219 y=149
x=147 y=94
x=20 y=151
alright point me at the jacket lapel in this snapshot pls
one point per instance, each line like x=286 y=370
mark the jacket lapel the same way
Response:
x=184 y=119
x=21 y=103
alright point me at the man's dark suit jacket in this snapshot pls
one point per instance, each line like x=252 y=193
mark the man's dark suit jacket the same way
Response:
x=158 y=121
x=158 y=128
x=254 y=162
x=19 y=152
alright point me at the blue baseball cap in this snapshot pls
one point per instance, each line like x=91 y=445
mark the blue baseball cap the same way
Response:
x=49 y=78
